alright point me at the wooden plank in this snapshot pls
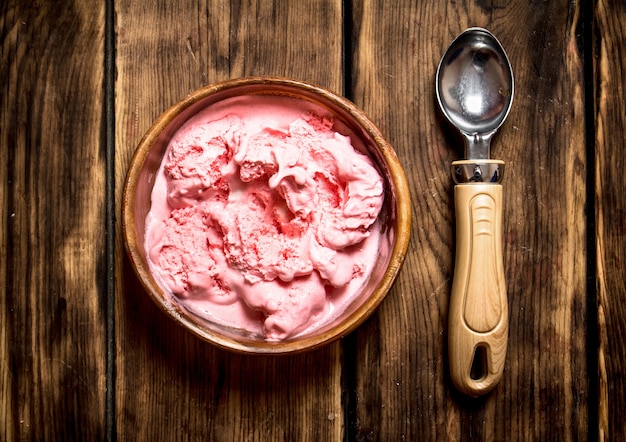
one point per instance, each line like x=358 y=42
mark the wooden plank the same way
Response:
x=52 y=170
x=403 y=390
x=609 y=46
x=171 y=386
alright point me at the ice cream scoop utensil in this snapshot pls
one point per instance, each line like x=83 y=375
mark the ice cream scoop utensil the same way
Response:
x=474 y=88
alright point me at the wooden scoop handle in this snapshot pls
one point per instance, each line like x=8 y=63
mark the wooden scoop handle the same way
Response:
x=478 y=315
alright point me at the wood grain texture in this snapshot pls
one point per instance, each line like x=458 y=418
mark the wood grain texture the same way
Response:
x=388 y=380
x=403 y=390
x=610 y=124
x=170 y=385
x=52 y=340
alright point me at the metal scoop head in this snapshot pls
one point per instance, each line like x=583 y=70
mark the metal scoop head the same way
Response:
x=474 y=88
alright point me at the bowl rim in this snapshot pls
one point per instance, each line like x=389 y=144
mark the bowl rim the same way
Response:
x=299 y=344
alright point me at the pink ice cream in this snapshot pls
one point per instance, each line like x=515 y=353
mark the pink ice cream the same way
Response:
x=264 y=217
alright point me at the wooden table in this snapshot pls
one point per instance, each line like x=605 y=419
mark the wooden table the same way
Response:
x=85 y=354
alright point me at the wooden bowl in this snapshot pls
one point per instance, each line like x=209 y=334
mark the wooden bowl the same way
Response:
x=395 y=215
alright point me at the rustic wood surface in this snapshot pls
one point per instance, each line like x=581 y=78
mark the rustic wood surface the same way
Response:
x=404 y=372
x=610 y=204
x=62 y=345
x=204 y=392
x=52 y=169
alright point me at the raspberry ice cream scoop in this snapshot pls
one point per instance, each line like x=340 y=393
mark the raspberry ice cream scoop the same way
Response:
x=264 y=217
